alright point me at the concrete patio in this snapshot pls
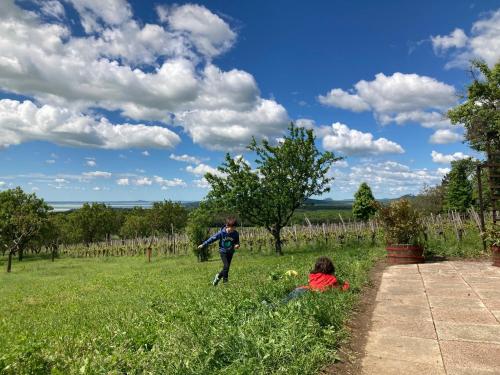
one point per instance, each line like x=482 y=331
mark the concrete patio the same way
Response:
x=436 y=318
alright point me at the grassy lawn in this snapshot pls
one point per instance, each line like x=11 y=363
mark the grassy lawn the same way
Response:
x=123 y=315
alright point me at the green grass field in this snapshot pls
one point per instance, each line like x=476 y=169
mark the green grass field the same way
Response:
x=123 y=315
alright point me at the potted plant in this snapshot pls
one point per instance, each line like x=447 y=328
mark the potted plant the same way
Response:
x=493 y=236
x=403 y=232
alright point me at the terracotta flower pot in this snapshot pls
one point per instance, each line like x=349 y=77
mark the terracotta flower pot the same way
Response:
x=495 y=249
x=405 y=254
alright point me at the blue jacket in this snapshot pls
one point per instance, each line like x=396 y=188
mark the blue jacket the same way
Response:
x=227 y=241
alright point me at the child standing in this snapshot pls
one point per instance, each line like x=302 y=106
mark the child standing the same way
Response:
x=229 y=241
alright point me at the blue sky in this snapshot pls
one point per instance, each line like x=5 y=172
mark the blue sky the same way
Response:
x=117 y=100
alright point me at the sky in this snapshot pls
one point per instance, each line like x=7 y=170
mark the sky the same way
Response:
x=112 y=100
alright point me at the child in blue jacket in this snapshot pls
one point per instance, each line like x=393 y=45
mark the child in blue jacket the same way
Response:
x=229 y=241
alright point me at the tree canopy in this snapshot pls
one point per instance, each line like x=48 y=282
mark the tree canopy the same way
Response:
x=459 y=187
x=364 y=205
x=286 y=175
x=480 y=112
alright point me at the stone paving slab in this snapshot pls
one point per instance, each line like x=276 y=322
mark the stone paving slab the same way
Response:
x=436 y=318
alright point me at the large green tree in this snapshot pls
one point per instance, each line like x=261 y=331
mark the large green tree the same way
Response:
x=364 y=205
x=459 y=187
x=480 y=112
x=22 y=217
x=287 y=174
x=136 y=224
x=166 y=215
x=95 y=222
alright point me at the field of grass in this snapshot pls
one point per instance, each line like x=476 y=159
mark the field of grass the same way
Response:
x=123 y=315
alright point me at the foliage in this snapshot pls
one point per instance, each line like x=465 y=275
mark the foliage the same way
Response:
x=401 y=223
x=364 y=205
x=136 y=224
x=459 y=187
x=493 y=234
x=167 y=216
x=22 y=217
x=124 y=316
x=287 y=174
x=95 y=222
x=198 y=230
x=480 y=112
x=430 y=200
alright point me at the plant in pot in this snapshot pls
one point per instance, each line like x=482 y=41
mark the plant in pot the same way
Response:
x=403 y=232
x=493 y=237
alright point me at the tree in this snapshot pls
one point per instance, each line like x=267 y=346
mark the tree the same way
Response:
x=430 y=199
x=458 y=194
x=22 y=216
x=136 y=224
x=166 y=215
x=480 y=113
x=364 y=203
x=95 y=222
x=287 y=174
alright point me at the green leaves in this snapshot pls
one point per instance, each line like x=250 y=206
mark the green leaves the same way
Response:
x=287 y=174
x=480 y=113
x=364 y=203
x=401 y=223
x=458 y=195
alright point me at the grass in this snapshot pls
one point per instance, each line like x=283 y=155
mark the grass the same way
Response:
x=123 y=315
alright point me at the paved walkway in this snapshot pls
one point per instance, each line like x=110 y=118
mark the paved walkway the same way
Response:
x=436 y=318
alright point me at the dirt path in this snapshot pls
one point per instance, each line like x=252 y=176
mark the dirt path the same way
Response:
x=433 y=318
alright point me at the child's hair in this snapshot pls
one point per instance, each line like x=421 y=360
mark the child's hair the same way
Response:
x=324 y=265
x=231 y=221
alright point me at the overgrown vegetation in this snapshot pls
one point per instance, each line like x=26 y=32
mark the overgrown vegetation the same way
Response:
x=123 y=315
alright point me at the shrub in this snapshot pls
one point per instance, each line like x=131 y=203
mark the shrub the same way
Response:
x=197 y=229
x=401 y=223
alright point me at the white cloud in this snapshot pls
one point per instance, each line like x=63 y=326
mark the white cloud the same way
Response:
x=443 y=171
x=96 y=188
x=202 y=169
x=482 y=43
x=144 y=71
x=201 y=183
x=51 y=8
x=354 y=142
x=437 y=157
x=97 y=174
x=456 y=39
x=443 y=136
x=208 y=32
x=25 y=121
x=143 y=181
x=397 y=98
x=185 y=158
x=145 y=153
x=387 y=179
x=169 y=183
x=341 y=99
x=50 y=161
x=305 y=123
x=90 y=163
x=61 y=181
x=35 y=188
x=2 y=183
x=123 y=181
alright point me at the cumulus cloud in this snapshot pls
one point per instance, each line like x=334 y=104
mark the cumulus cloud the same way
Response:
x=25 y=121
x=398 y=98
x=354 y=142
x=438 y=157
x=143 y=181
x=175 y=182
x=387 y=179
x=202 y=169
x=154 y=72
x=123 y=181
x=90 y=162
x=186 y=158
x=443 y=136
x=483 y=42
x=145 y=153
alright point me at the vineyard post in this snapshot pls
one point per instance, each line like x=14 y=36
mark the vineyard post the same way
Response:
x=173 y=236
x=481 y=207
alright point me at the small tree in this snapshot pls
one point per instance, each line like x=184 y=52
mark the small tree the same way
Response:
x=459 y=187
x=95 y=222
x=480 y=113
x=430 y=199
x=22 y=216
x=198 y=230
x=166 y=215
x=287 y=174
x=401 y=223
x=364 y=205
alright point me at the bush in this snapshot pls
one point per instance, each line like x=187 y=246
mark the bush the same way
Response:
x=198 y=230
x=401 y=223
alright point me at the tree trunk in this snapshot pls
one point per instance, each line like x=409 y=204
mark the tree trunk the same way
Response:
x=9 y=261
x=20 y=254
x=277 y=241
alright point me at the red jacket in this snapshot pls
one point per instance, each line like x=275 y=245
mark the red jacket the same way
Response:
x=322 y=281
